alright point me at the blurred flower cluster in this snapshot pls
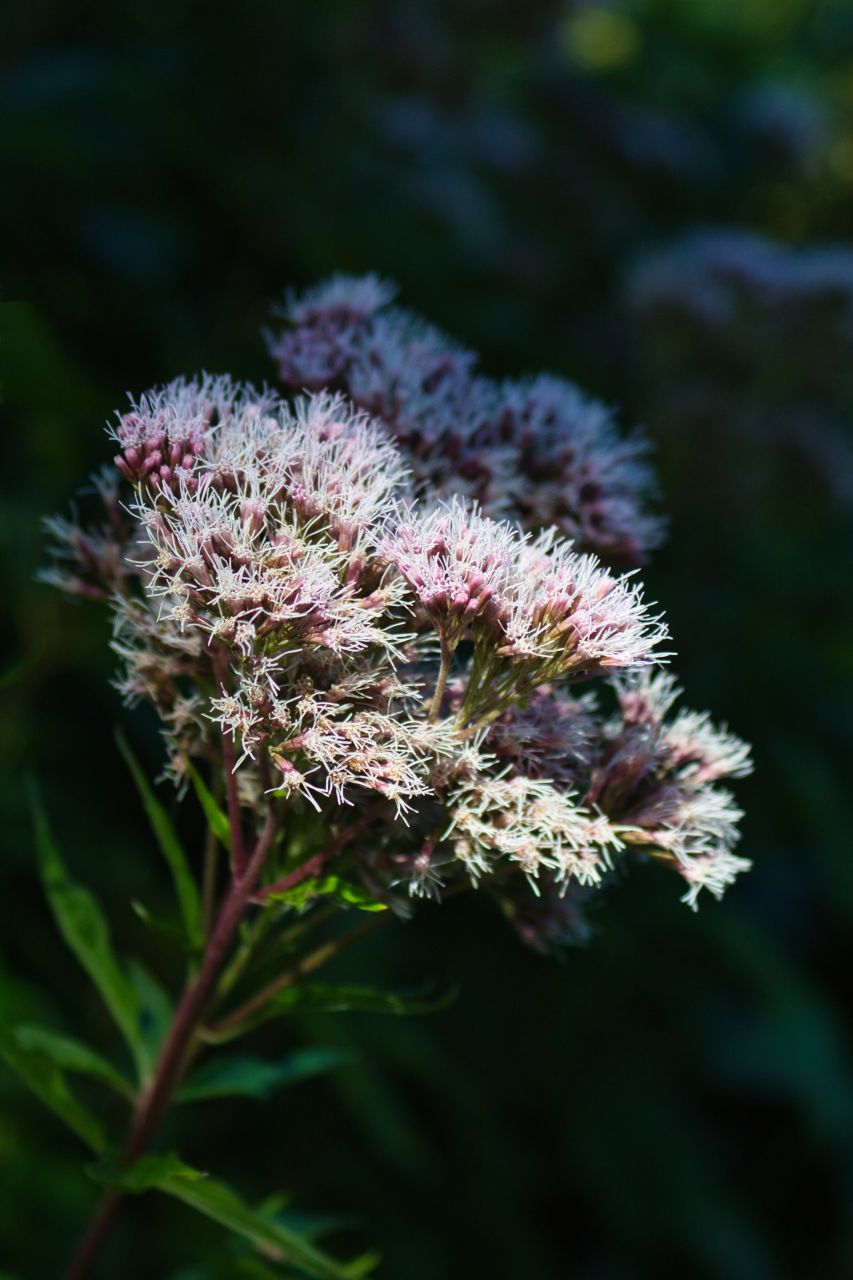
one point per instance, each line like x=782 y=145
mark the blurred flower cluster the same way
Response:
x=378 y=624
x=535 y=449
x=749 y=338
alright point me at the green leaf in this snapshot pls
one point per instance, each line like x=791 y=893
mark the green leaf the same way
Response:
x=253 y=1078
x=350 y=999
x=41 y=1074
x=335 y=999
x=154 y=1013
x=71 y=1055
x=222 y=1205
x=82 y=925
x=217 y=818
x=147 y=1172
x=173 y=934
x=344 y=890
x=12 y=674
x=170 y=846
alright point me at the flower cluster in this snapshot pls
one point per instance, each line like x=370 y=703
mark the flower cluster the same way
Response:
x=731 y=269
x=536 y=450
x=305 y=607
x=747 y=340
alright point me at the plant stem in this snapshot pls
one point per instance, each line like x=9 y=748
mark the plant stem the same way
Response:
x=179 y=1045
x=253 y=934
x=441 y=681
x=320 y=956
x=317 y=861
x=94 y=1236
x=238 y=850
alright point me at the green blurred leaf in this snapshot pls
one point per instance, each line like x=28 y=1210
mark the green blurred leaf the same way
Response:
x=146 y=1173
x=154 y=1012
x=337 y=887
x=71 y=1055
x=170 y=846
x=82 y=925
x=253 y=1078
x=222 y=1205
x=41 y=1074
x=173 y=934
x=12 y=674
x=335 y=999
x=358 y=999
x=217 y=819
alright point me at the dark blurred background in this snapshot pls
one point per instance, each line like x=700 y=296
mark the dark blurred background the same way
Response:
x=677 y=1097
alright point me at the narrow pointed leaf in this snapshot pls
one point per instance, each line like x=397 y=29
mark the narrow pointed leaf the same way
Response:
x=83 y=926
x=253 y=1078
x=48 y=1083
x=147 y=1172
x=358 y=999
x=72 y=1055
x=335 y=999
x=12 y=674
x=170 y=846
x=218 y=1202
x=217 y=819
x=174 y=935
x=154 y=1013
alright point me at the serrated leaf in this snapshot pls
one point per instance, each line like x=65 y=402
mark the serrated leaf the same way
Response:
x=218 y=1202
x=170 y=846
x=83 y=926
x=217 y=818
x=254 y=1078
x=335 y=886
x=71 y=1055
x=41 y=1074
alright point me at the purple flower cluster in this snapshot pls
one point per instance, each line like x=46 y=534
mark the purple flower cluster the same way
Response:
x=537 y=450
x=301 y=602
x=748 y=341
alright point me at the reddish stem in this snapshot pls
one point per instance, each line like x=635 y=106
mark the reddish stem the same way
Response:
x=300 y=970
x=317 y=861
x=178 y=1047
x=94 y=1237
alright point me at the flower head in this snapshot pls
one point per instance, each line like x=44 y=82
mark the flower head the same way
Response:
x=336 y=604
x=537 y=450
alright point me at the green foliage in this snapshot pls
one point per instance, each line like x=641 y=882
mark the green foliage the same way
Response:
x=519 y=192
x=83 y=926
x=218 y=1202
x=216 y=817
x=170 y=846
x=254 y=1078
x=154 y=1012
x=18 y=670
x=332 y=885
x=330 y=998
x=71 y=1055
x=36 y=1063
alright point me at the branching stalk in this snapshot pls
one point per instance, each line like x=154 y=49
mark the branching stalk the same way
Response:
x=315 y=864
x=180 y=1043
x=441 y=681
x=320 y=956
